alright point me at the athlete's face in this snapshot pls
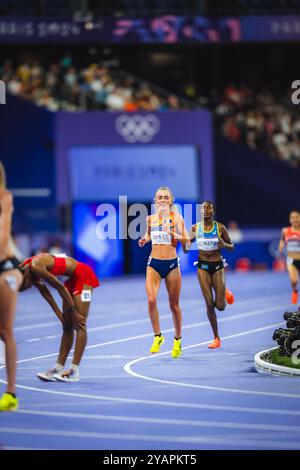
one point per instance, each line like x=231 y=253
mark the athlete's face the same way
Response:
x=163 y=200
x=295 y=219
x=207 y=210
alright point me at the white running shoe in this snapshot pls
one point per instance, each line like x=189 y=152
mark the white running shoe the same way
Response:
x=48 y=376
x=67 y=376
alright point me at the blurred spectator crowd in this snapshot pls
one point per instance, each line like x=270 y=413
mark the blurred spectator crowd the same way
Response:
x=62 y=86
x=263 y=120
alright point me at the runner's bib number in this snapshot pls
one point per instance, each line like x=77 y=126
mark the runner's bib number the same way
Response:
x=160 y=238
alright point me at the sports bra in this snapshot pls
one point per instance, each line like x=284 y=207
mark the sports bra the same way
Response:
x=207 y=240
x=159 y=227
x=60 y=264
x=292 y=240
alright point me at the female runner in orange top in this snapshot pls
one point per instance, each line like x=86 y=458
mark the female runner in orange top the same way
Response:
x=164 y=229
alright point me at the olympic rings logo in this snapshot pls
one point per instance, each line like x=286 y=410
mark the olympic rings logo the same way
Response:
x=137 y=128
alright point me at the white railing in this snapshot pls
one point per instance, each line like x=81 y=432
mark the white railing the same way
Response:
x=274 y=369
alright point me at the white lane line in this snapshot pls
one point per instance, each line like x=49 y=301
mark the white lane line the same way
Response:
x=107 y=357
x=146 y=320
x=34 y=326
x=149 y=402
x=111 y=325
x=155 y=438
x=99 y=328
x=147 y=335
x=252 y=313
x=128 y=369
x=167 y=421
x=193 y=406
x=197 y=303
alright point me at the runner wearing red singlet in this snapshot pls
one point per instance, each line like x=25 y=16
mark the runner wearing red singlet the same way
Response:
x=290 y=239
x=76 y=294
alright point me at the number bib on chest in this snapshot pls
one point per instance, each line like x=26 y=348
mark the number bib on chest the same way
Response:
x=159 y=237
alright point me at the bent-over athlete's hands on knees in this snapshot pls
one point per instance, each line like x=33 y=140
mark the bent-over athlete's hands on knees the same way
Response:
x=64 y=322
x=80 y=320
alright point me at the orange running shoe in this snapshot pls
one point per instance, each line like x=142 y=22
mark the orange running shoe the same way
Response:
x=229 y=296
x=215 y=344
x=294 y=297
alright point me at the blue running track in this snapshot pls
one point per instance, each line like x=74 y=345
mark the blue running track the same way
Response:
x=129 y=399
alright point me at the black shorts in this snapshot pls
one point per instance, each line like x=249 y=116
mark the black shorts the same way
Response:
x=296 y=263
x=211 y=267
x=9 y=264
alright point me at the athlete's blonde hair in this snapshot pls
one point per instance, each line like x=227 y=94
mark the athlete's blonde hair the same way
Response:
x=165 y=188
x=2 y=176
